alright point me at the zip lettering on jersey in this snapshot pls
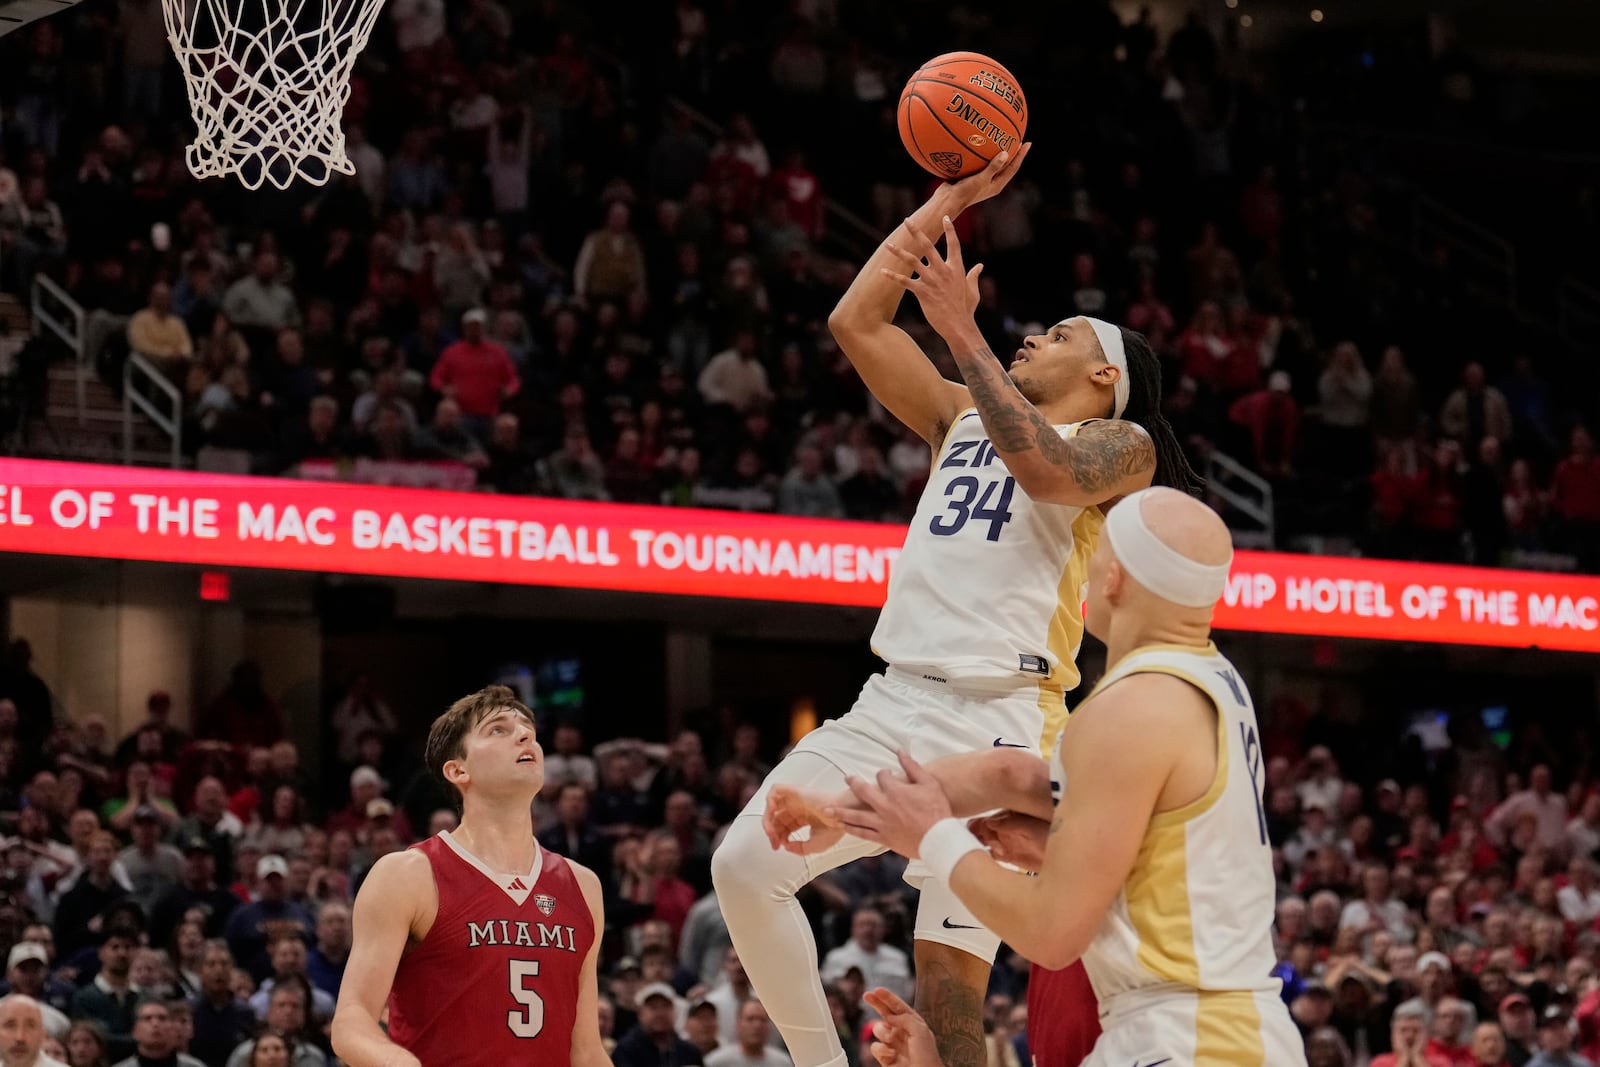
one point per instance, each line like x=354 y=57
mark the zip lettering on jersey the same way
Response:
x=1232 y=682
x=983 y=454
x=505 y=932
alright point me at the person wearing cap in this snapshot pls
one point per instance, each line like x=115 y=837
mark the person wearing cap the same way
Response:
x=475 y=372
x=1320 y=784
x=197 y=889
x=654 y=1040
x=23 y=1032
x=1073 y=424
x=270 y=915
x=28 y=972
x=1157 y=776
x=700 y=1025
x=752 y=1049
x=1555 y=1041
x=153 y=866
x=366 y=785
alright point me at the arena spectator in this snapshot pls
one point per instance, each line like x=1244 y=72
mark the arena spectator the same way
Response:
x=475 y=372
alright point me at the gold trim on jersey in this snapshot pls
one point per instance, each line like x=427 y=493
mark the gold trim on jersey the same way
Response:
x=1227 y=1030
x=1065 y=636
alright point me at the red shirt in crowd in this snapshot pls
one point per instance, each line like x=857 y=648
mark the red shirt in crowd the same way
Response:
x=1576 y=488
x=802 y=192
x=481 y=375
x=1434 y=1059
x=1455 y=1055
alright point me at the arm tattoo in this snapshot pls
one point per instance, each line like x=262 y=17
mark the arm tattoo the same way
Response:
x=1101 y=455
x=954 y=1012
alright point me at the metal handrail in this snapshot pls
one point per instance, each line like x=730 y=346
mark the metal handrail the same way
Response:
x=137 y=371
x=858 y=238
x=1220 y=468
x=1493 y=253
x=1577 y=311
x=45 y=318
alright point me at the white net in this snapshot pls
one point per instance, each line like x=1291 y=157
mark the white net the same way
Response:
x=268 y=81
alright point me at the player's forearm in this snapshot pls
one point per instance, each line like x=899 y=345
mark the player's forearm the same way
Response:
x=1000 y=778
x=872 y=298
x=1031 y=448
x=1012 y=905
x=1111 y=458
x=359 y=1041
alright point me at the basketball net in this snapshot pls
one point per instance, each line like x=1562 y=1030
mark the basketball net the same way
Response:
x=268 y=81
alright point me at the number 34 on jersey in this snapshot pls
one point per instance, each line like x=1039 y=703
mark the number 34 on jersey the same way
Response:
x=984 y=499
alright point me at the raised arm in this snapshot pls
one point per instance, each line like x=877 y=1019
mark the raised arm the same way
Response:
x=895 y=369
x=386 y=910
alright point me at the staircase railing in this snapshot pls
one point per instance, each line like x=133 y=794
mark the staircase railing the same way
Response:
x=1477 y=253
x=139 y=378
x=56 y=313
x=1578 y=313
x=1247 y=493
x=852 y=232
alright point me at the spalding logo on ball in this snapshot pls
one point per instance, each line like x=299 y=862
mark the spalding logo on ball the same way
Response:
x=959 y=111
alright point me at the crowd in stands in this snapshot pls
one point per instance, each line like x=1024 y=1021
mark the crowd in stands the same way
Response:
x=188 y=893
x=548 y=275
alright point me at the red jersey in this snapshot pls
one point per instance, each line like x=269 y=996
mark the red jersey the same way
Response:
x=1063 y=1016
x=496 y=980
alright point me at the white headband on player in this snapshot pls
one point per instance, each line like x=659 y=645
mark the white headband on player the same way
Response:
x=1110 y=337
x=1152 y=563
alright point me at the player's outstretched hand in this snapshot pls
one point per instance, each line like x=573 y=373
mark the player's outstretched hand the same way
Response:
x=988 y=182
x=947 y=291
x=790 y=810
x=1013 y=838
x=901 y=1039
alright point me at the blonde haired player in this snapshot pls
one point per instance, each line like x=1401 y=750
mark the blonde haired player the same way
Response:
x=1156 y=871
x=982 y=621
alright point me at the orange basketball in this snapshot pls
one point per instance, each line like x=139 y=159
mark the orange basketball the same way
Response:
x=959 y=111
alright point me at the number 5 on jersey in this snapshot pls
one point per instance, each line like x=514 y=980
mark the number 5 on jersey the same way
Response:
x=528 y=1022
x=963 y=491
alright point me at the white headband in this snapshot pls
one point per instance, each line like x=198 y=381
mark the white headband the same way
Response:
x=1152 y=563
x=1111 y=344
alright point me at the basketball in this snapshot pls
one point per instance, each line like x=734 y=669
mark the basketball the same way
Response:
x=959 y=111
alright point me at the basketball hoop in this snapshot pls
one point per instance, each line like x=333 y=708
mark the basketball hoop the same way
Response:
x=268 y=81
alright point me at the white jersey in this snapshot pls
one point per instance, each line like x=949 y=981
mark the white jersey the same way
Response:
x=1197 y=909
x=988 y=591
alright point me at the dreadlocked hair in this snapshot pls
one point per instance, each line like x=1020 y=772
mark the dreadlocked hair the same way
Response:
x=1144 y=408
